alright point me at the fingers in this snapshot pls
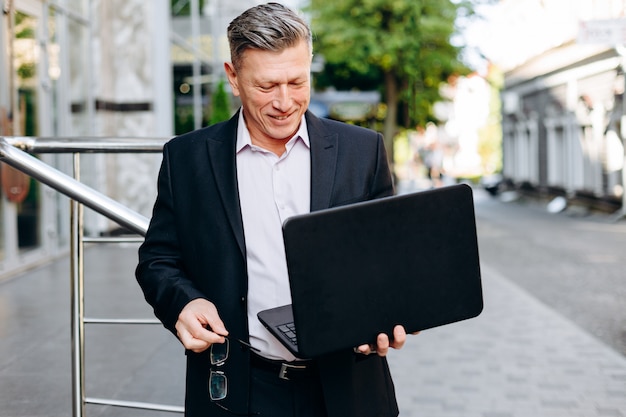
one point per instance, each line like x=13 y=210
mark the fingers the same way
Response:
x=365 y=349
x=383 y=344
x=399 y=337
x=199 y=326
x=191 y=342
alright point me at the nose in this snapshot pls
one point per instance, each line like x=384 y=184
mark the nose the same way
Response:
x=282 y=99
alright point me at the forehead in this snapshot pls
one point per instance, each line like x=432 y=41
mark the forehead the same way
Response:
x=290 y=62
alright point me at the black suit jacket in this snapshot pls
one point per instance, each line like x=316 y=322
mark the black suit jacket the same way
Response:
x=195 y=248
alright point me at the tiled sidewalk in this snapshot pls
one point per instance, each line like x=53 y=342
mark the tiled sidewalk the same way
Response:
x=517 y=359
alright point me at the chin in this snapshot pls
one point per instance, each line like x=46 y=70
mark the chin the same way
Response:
x=285 y=130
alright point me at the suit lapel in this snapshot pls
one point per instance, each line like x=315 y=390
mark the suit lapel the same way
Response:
x=323 y=162
x=221 y=149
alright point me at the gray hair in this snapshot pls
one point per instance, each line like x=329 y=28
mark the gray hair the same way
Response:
x=268 y=27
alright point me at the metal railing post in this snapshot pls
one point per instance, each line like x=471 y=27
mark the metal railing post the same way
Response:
x=77 y=302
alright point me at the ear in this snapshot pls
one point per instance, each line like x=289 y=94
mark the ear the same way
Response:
x=232 y=77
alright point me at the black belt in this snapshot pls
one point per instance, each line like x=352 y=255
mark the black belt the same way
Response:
x=284 y=370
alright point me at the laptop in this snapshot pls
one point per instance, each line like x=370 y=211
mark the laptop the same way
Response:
x=358 y=270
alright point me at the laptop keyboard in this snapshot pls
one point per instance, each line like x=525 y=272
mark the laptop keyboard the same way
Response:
x=289 y=330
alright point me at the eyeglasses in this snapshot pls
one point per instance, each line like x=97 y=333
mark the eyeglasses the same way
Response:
x=218 y=383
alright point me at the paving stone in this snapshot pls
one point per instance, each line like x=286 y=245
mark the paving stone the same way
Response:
x=519 y=358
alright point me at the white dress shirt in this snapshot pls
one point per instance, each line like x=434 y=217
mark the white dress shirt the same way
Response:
x=271 y=189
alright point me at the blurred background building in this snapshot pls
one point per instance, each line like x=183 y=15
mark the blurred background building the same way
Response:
x=562 y=100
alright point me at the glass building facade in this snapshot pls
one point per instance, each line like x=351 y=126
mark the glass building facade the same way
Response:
x=106 y=69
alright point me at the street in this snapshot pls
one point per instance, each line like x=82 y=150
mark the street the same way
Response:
x=549 y=342
x=573 y=263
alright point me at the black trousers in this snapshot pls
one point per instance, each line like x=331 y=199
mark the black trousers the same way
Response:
x=271 y=396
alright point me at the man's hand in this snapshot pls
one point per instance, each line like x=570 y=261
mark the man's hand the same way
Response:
x=382 y=343
x=194 y=322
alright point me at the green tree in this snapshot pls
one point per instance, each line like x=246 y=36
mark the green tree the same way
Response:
x=220 y=104
x=402 y=46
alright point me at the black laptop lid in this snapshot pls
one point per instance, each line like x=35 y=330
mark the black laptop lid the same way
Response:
x=356 y=271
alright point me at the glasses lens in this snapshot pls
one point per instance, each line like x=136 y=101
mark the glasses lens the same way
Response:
x=219 y=353
x=217 y=385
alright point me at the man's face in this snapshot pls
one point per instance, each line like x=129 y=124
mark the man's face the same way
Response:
x=275 y=89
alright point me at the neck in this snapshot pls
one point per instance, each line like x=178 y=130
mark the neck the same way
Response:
x=276 y=146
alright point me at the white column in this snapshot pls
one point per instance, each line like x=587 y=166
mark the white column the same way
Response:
x=162 y=68
x=133 y=80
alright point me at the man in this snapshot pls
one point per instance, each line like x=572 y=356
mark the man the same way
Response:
x=213 y=255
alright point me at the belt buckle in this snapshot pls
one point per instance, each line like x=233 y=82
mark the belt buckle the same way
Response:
x=285 y=368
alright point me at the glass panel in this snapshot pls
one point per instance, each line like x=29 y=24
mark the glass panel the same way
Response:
x=77 y=41
x=5 y=121
x=187 y=106
x=75 y=106
x=54 y=69
x=26 y=61
x=77 y=6
x=183 y=7
x=184 y=97
x=59 y=117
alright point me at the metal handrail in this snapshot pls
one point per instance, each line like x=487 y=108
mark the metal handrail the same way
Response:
x=86 y=145
x=67 y=185
x=15 y=152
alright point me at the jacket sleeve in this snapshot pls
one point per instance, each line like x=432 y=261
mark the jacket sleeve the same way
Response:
x=160 y=271
x=382 y=185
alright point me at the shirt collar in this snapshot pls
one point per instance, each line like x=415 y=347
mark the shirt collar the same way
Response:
x=244 y=139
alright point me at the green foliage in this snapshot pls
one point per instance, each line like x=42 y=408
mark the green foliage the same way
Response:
x=183 y=7
x=27 y=97
x=408 y=40
x=24 y=26
x=183 y=120
x=26 y=71
x=220 y=103
x=340 y=76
